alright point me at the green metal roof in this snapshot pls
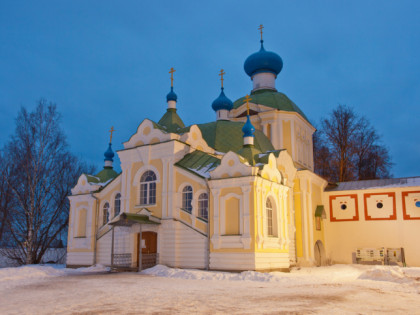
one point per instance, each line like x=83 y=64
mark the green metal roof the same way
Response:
x=272 y=99
x=263 y=157
x=128 y=219
x=103 y=176
x=320 y=212
x=250 y=153
x=170 y=121
x=225 y=136
x=199 y=162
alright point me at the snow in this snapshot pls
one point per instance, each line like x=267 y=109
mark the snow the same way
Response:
x=15 y=276
x=344 y=289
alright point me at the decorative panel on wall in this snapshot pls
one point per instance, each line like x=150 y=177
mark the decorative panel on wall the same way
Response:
x=344 y=208
x=411 y=205
x=380 y=206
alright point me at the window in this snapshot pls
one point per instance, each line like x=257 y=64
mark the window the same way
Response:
x=148 y=188
x=269 y=209
x=203 y=206
x=105 y=213
x=117 y=205
x=187 y=194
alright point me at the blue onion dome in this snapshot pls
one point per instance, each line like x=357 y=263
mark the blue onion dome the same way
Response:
x=263 y=61
x=109 y=154
x=222 y=102
x=248 y=129
x=171 y=95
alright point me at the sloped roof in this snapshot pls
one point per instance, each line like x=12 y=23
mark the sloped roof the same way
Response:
x=103 y=178
x=377 y=183
x=225 y=136
x=272 y=99
x=199 y=163
x=171 y=121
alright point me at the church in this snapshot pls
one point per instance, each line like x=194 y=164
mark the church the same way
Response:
x=237 y=193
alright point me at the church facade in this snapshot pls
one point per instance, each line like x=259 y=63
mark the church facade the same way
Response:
x=237 y=193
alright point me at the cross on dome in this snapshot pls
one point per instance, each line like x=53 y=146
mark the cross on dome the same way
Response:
x=261 y=31
x=221 y=75
x=111 y=131
x=172 y=76
x=247 y=99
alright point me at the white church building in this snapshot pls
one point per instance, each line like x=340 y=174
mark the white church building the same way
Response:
x=236 y=193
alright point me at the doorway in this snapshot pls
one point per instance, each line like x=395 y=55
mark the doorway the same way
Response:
x=149 y=249
x=319 y=253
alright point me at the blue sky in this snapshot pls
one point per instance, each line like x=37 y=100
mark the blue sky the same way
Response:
x=106 y=63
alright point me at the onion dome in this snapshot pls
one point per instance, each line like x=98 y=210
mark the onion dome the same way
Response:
x=222 y=102
x=263 y=61
x=248 y=129
x=171 y=95
x=109 y=154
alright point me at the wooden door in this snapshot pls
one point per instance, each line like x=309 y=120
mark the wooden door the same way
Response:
x=150 y=243
x=149 y=249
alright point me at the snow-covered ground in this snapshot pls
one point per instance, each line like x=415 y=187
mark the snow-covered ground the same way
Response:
x=338 y=289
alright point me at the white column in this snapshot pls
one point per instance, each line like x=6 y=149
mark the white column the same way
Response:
x=165 y=177
x=216 y=219
x=258 y=209
x=170 y=192
x=246 y=236
x=286 y=222
x=310 y=222
x=305 y=224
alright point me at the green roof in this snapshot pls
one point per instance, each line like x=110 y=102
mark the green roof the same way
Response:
x=320 y=212
x=250 y=153
x=170 y=121
x=128 y=219
x=200 y=163
x=272 y=99
x=225 y=136
x=103 y=176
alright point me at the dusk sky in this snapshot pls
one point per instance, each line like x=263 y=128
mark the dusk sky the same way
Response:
x=106 y=63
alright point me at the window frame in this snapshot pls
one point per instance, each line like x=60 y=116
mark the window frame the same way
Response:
x=187 y=198
x=203 y=206
x=269 y=218
x=105 y=215
x=147 y=190
x=117 y=198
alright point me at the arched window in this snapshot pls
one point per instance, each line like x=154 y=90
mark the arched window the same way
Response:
x=105 y=213
x=148 y=188
x=187 y=195
x=271 y=219
x=203 y=206
x=117 y=204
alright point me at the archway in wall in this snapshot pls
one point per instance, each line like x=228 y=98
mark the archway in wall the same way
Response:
x=319 y=253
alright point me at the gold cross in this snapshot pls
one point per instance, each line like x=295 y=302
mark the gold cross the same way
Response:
x=247 y=99
x=111 y=131
x=261 y=30
x=221 y=75
x=172 y=76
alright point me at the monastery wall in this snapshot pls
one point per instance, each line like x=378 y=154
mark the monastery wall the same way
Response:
x=372 y=218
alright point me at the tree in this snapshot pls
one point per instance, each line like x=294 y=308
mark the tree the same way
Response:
x=347 y=147
x=5 y=199
x=39 y=172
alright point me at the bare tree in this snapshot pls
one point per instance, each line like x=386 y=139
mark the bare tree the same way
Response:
x=5 y=199
x=353 y=146
x=322 y=156
x=41 y=173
